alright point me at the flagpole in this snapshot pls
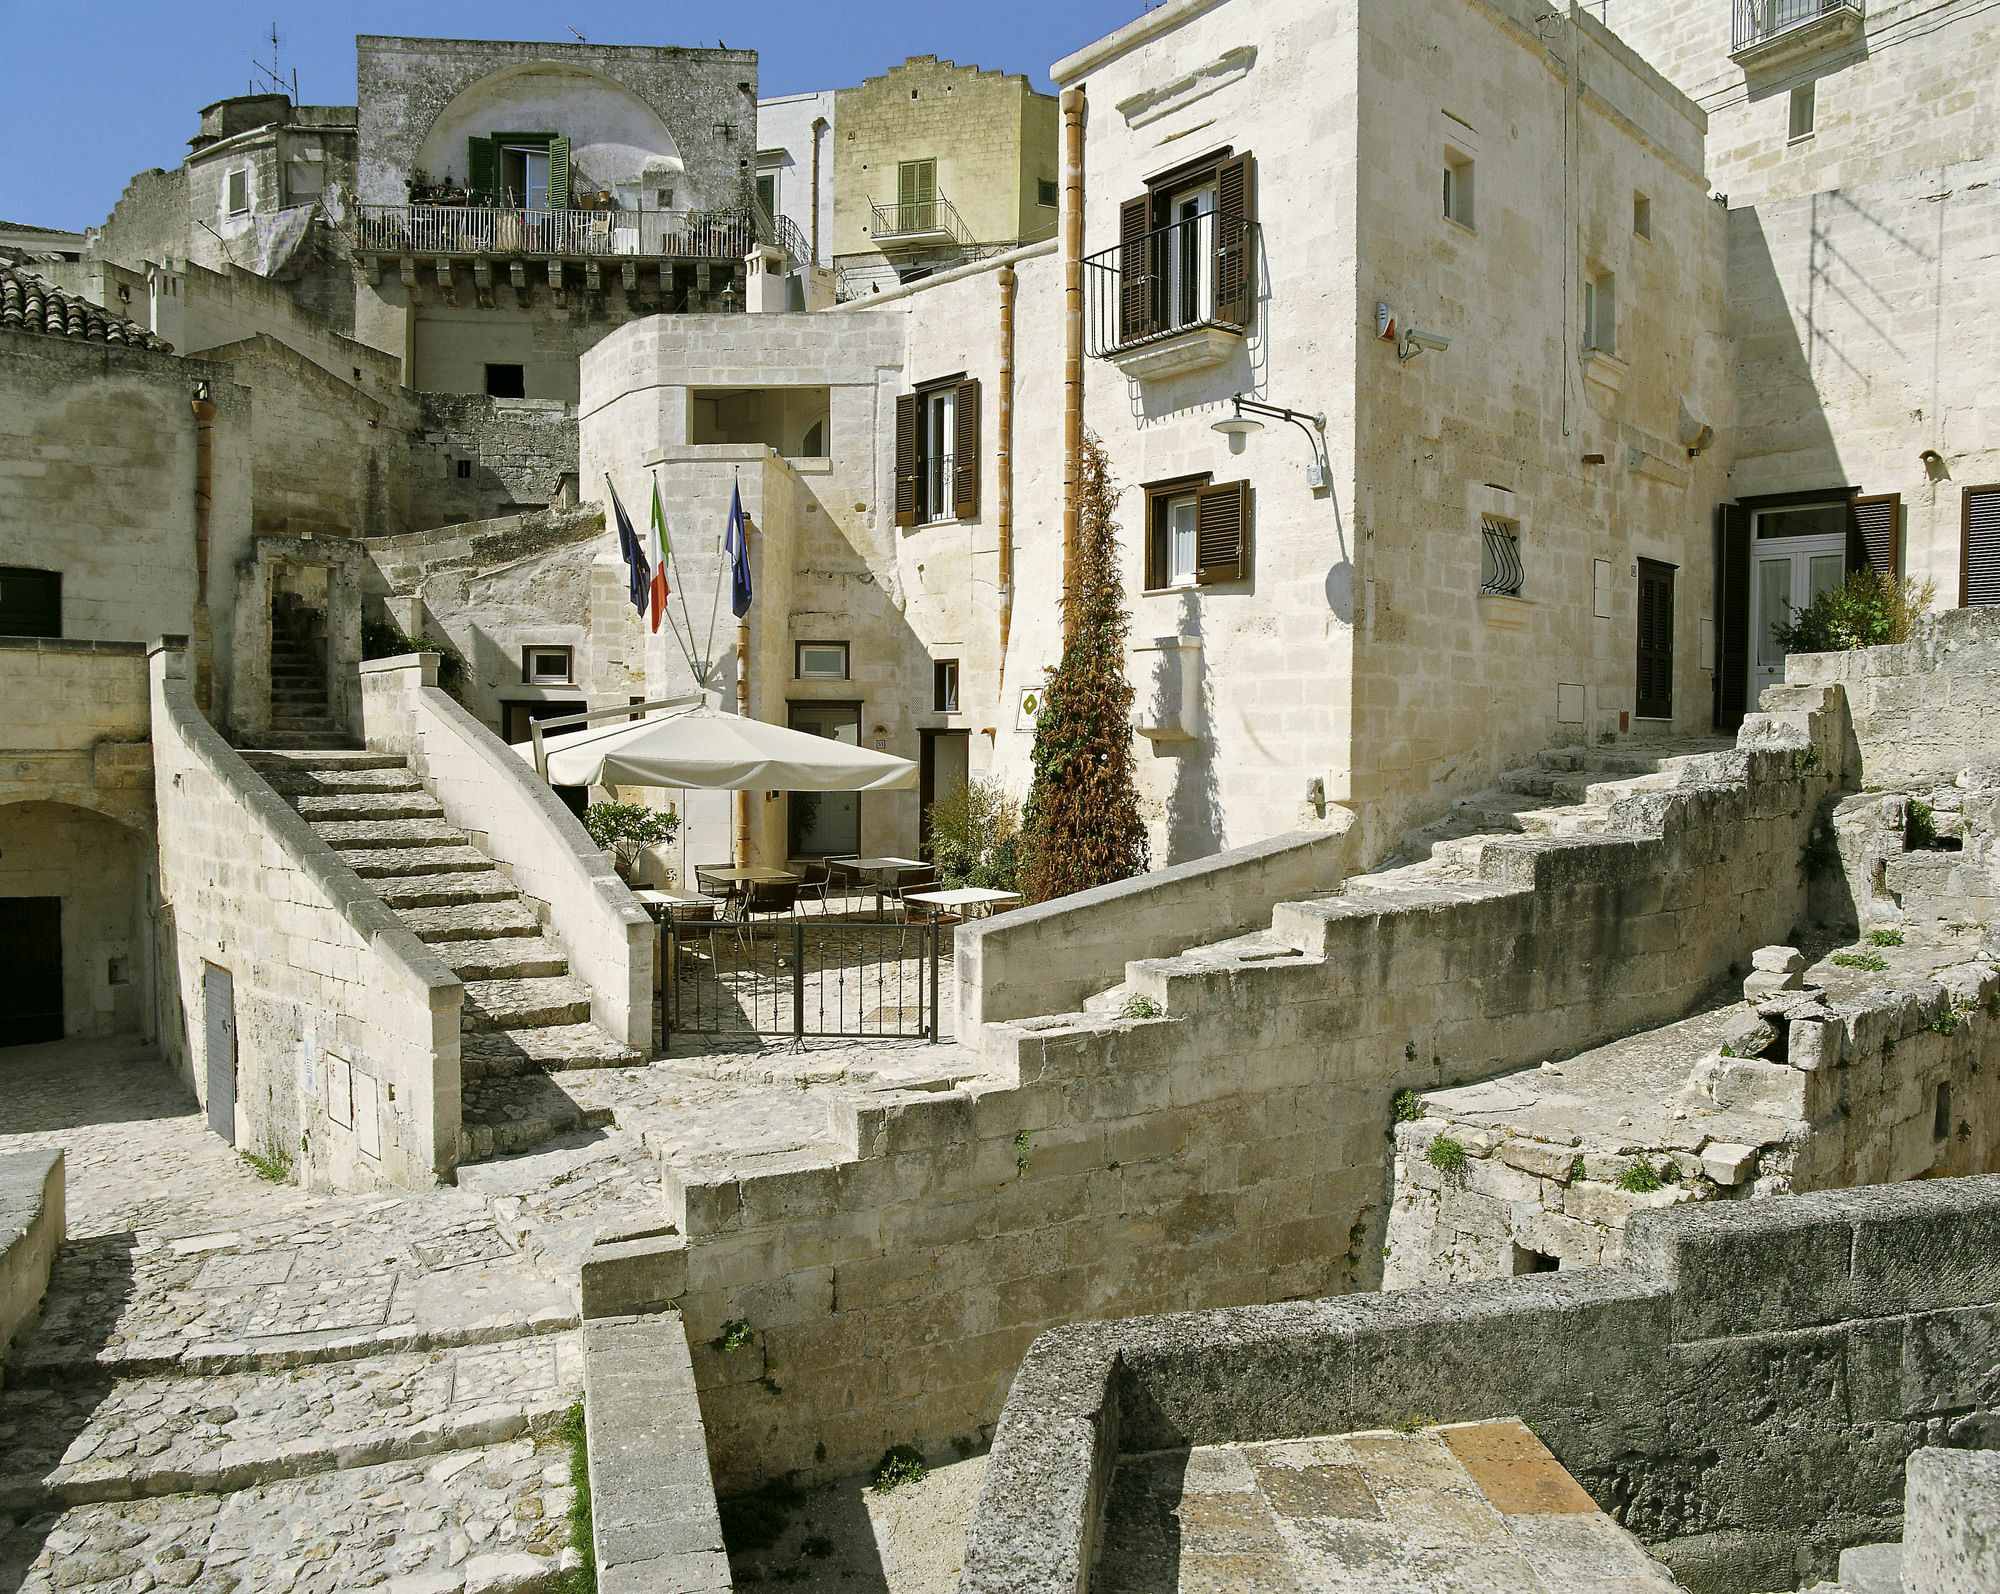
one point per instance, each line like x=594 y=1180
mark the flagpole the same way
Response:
x=743 y=708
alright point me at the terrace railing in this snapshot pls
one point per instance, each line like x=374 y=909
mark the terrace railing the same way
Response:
x=1755 y=23
x=475 y=230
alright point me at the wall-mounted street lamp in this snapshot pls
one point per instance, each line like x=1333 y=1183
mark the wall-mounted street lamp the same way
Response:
x=1241 y=423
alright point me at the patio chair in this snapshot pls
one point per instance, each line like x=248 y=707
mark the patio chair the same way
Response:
x=771 y=896
x=843 y=879
x=816 y=881
x=705 y=881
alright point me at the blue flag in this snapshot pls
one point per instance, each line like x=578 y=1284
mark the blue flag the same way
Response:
x=634 y=551
x=736 y=543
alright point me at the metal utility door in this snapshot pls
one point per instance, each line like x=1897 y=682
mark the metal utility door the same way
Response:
x=218 y=997
x=31 y=974
x=1655 y=695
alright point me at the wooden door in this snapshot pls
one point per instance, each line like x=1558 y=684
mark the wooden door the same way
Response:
x=942 y=768
x=31 y=982
x=1655 y=698
x=218 y=997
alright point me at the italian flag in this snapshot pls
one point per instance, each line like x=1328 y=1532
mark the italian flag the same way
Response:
x=656 y=533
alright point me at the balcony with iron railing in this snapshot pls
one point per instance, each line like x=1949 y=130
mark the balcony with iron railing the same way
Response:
x=1764 y=32
x=477 y=231
x=1179 y=298
x=919 y=223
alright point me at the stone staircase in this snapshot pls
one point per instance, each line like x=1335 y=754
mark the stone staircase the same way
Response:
x=525 y=1015
x=301 y=716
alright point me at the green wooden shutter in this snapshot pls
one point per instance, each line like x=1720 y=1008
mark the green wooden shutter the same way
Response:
x=482 y=164
x=558 y=174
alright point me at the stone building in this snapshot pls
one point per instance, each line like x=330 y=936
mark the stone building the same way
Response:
x=935 y=164
x=795 y=134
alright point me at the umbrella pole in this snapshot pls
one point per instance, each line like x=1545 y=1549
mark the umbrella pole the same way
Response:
x=743 y=710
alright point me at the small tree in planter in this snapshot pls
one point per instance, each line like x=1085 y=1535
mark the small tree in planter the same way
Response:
x=976 y=836
x=625 y=829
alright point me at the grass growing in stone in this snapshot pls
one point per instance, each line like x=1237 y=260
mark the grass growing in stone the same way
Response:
x=1639 y=1177
x=1946 y=1023
x=1885 y=937
x=581 y=1578
x=900 y=1464
x=1576 y=1171
x=734 y=1336
x=1409 y=1106
x=1870 y=961
x=1922 y=832
x=273 y=1166
x=1138 y=1005
x=1447 y=1156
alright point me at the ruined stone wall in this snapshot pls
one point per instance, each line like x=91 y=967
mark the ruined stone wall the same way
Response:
x=519 y=452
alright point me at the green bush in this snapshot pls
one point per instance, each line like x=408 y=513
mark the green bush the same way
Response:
x=1869 y=610
x=1885 y=937
x=899 y=1464
x=582 y=1578
x=1921 y=835
x=1141 y=1006
x=625 y=829
x=1869 y=961
x=1640 y=1177
x=1447 y=1156
x=975 y=836
x=382 y=638
x=757 y=1520
x=1409 y=1106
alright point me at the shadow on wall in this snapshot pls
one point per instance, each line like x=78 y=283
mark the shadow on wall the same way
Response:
x=1194 y=806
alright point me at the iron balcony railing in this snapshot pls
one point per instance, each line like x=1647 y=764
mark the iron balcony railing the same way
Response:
x=919 y=220
x=494 y=230
x=1201 y=272
x=1758 y=22
x=1500 y=569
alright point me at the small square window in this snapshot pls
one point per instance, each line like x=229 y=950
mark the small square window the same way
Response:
x=1046 y=194
x=506 y=381
x=1457 y=188
x=1804 y=109
x=239 y=192
x=944 y=686
x=547 y=666
x=465 y=470
x=822 y=661
x=1642 y=215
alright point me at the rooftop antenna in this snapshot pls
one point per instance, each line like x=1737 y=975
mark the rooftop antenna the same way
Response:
x=273 y=74
x=580 y=39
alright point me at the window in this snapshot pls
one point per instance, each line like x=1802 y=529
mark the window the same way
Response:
x=825 y=824
x=822 y=661
x=937 y=452
x=30 y=602
x=1979 y=549
x=1803 y=108
x=1046 y=193
x=1500 y=569
x=767 y=192
x=1600 y=312
x=1186 y=255
x=916 y=196
x=1642 y=215
x=524 y=175
x=1197 y=532
x=465 y=470
x=239 y=192
x=944 y=686
x=1457 y=187
x=1654 y=696
x=530 y=170
x=1941 y=1114
x=547 y=666
x=506 y=381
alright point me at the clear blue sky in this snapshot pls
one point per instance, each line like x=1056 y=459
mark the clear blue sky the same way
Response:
x=90 y=94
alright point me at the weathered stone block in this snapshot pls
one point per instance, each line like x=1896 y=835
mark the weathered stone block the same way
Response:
x=628 y=1277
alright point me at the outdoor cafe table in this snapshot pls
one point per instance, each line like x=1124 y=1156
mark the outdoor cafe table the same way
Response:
x=755 y=874
x=879 y=867
x=967 y=897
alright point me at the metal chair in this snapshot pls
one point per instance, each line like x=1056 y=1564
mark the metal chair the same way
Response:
x=770 y=896
x=843 y=878
x=816 y=881
x=724 y=891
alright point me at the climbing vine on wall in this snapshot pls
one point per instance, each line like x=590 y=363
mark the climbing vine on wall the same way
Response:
x=1081 y=826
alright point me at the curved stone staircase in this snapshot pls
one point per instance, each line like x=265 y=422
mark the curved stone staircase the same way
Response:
x=525 y=1015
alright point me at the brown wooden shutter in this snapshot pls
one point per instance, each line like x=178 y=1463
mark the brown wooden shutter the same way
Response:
x=1878 y=526
x=907 y=416
x=1137 y=271
x=1979 y=550
x=1732 y=590
x=1222 y=533
x=1655 y=696
x=1235 y=250
x=965 y=451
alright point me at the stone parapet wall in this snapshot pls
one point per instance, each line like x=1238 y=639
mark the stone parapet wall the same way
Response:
x=1742 y=1394
x=74 y=723
x=323 y=973
x=517 y=820
x=31 y=1228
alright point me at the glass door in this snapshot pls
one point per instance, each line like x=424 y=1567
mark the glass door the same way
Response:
x=1797 y=554
x=1191 y=257
x=825 y=824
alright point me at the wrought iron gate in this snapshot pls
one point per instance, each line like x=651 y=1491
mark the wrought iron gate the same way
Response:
x=802 y=978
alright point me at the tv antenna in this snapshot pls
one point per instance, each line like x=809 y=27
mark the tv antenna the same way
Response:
x=580 y=39
x=274 y=77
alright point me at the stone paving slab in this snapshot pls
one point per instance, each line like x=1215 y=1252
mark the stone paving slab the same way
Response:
x=73 y=1443
x=472 y=921
x=493 y=1520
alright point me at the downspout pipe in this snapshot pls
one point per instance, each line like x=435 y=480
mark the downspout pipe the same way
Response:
x=1072 y=258
x=819 y=128
x=203 y=638
x=1003 y=461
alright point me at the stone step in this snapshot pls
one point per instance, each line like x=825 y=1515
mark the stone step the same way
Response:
x=351 y=758
x=414 y=804
x=515 y=957
x=303 y=722
x=404 y=892
x=327 y=741
x=360 y=834
x=472 y=921
x=290 y=781
x=378 y=862
x=524 y=1004
x=554 y=1048
x=502 y=1117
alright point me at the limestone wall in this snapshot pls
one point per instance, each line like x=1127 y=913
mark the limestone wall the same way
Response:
x=32 y=1227
x=493 y=794
x=1742 y=1394
x=1231 y=1151
x=519 y=451
x=324 y=975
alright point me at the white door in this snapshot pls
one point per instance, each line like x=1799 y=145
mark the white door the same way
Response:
x=1796 y=555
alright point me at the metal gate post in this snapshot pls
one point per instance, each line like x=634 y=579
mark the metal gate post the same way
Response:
x=936 y=930
x=669 y=965
x=799 y=983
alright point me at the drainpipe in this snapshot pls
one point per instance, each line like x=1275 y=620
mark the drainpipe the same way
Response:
x=203 y=639
x=1004 y=462
x=743 y=711
x=820 y=125
x=1072 y=258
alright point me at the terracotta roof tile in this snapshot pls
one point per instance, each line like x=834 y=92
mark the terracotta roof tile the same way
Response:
x=30 y=304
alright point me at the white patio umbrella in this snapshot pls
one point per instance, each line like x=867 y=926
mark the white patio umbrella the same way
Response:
x=705 y=750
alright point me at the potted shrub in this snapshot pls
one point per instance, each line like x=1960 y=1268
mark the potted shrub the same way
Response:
x=624 y=830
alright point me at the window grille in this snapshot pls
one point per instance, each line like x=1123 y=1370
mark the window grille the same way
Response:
x=1500 y=557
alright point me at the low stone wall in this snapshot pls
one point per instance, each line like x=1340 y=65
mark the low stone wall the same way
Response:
x=1951 y=1522
x=1742 y=1394
x=323 y=974
x=517 y=820
x=1922 y=707
x=31 y=1229
x=1052 y=957
x=654 y=1524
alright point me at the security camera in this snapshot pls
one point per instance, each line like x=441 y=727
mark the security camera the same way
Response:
x=1415 y=343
